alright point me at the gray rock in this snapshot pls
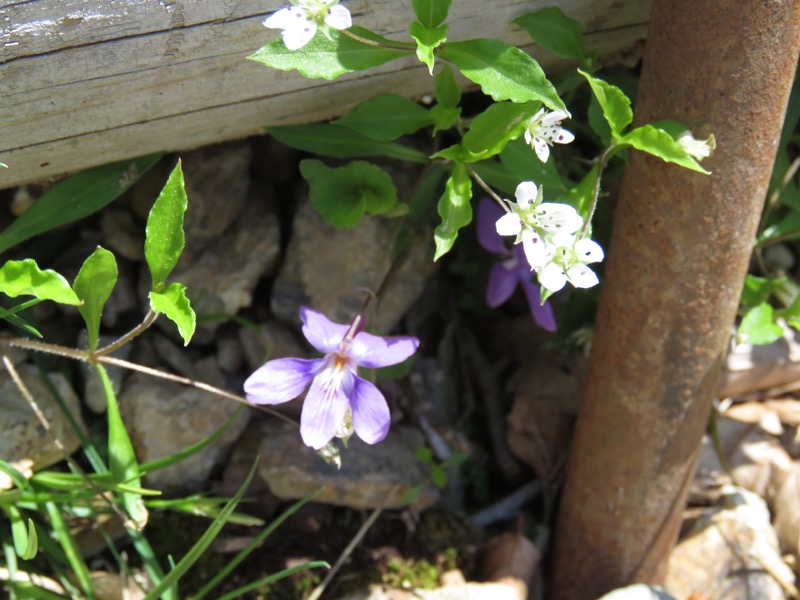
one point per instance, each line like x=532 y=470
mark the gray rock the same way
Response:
x=329 y=270
x=165 y=417
x=25 y=444
x=230 y=355
x=730 y=552
x=269 y=341
x=122 y=235
x=222 y=279
x=371 y=476
x=93 y=394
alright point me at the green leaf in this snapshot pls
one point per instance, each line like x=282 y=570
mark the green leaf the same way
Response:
x=446 y=88
x=328 y=56
x=444 y=117
x=550 y=28
x=521 y=160
x=758 y=289
x=26 y=542
x=497 y=176
x=427 y=41
x=456 y=153
x=581 y=195
x=76 y=197
x=431 y=13
x=492 y=129
x=341 y=142
x=342 y=195
x=174 y=305
x=25 y=278
x=758 y=326
x=386 y=118
x=164 y=240
x=93 y=285
x=659 y=143
x=121 y=457
x=504 y=72
x=454 y=209
x=615 y=104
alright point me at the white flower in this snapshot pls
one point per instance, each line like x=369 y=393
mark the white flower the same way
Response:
x=300 y=21
x=566 y=261
x=698 y=149
x=545 y=128
x=533 y=221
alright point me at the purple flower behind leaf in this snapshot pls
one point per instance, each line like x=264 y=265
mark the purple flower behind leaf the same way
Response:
x=506 y=275
x=338 y=396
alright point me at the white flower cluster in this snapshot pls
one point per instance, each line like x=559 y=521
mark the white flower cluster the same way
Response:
x=300 y=21
x=547 y=232
x=544 y=129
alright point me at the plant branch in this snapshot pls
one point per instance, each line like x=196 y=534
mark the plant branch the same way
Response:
x=486 y=188
x=149 y=319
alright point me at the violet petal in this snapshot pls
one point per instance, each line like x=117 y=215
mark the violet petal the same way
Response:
x=280 y=380
x=502 y=283
x=325 y=406
x=371 y=418
x=321 y=332
x=488 y=214
x=373 y=352
x=542 y=313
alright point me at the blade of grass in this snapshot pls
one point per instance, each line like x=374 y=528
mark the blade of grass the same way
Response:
x=254 y=543
x=194 y=554
x=70 y=548
x=239 y=592
x=150 y=562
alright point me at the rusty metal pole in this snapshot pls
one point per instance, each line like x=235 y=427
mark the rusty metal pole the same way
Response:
x=678 y=256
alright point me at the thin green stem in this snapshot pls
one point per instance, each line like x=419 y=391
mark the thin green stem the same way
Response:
x=149 y=319
x=602 y=161
x=479 y=180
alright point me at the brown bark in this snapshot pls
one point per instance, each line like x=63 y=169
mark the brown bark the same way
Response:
x=679 y=253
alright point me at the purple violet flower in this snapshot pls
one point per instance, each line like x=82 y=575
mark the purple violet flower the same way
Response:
x=506 y=275
x=338 y=396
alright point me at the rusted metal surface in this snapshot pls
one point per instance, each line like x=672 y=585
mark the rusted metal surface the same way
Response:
x=678 y=257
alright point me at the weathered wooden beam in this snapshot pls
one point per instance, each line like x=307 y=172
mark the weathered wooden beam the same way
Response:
x=86 y=82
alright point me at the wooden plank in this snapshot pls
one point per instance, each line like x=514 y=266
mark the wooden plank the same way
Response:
x=85 y=82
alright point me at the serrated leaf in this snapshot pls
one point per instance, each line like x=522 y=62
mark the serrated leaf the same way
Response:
x=93 y=285
x=331 y=55
x=75 y=198
x=431 y=13
x=519 y=158
x=342 y=195
x=121 y=456
x=454 y=209
x=615 y=104
x=427 y=41
x=504 y=72
x=164 y=239
x=446 y=88
x=659 y=143
x=341 y=142
x=25 y=278
x=758 y=326
x=387 y=117
x=492 y=129
x=550 y=28
x=174 y=305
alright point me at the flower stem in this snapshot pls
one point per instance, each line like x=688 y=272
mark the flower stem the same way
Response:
x=602 y=161
x=486 y=188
